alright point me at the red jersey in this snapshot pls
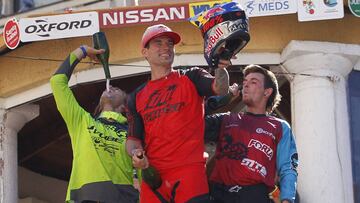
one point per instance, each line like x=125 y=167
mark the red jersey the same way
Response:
x=168 y=116
x=251 y=148
x=247 y=146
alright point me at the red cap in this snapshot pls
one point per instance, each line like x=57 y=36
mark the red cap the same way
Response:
x=158 y=31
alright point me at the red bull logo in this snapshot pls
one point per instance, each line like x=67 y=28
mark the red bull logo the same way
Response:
x=213 y=39
x=211 y=23
x=213 y=12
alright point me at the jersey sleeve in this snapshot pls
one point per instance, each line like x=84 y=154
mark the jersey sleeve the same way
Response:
x=287 y=162
x=213 y=126
x=69 y=108
x=135 y=121
x=202 y=80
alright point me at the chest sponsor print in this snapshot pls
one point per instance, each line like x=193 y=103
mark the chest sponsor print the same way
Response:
x=261 y=131
x=160 y=103
x=108 y=143
x=264 y=148
x=254 y=166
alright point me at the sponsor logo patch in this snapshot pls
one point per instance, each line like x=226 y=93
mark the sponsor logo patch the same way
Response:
x=262 y=131
x=294 y=161
x=266 y=149
x=159 y=103
x=254 y=166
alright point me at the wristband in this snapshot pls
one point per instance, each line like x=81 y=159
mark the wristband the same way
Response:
x=275 y=194
x=83 y=51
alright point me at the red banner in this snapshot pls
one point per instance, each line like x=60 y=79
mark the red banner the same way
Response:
x=136 y=16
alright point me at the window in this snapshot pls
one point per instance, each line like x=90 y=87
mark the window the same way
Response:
x=25 y=5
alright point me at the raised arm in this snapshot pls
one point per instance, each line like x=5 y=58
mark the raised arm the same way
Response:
x=134 y=144
x=213 y=126
x=214 y=103
x=66 y=103
x=67 y=67
x=221 y=83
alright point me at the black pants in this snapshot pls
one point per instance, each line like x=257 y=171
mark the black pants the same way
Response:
x=200 y=199
x=247 y=194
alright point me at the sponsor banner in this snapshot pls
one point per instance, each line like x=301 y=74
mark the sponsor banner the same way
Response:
x=255 y=8
x=252 y=8
x=11 y=33
x=59 y=26
x=196 y=8
x=199 y=7
x=310 y=10
x=354 y=6
x=136 y=16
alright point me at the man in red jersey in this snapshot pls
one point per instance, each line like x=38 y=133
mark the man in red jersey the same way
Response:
x=166 y=121
x=253 y=147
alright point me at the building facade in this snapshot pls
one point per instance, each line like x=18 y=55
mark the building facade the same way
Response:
x=321 y=59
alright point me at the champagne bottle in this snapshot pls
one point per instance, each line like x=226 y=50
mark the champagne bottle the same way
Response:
x=215 y=102
x=100 y=42
x=151 y=176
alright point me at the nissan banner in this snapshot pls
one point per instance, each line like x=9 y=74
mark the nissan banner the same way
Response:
x=58 y=26
x=137 y=16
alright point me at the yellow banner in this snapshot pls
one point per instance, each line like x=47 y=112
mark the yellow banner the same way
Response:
x=196 y=8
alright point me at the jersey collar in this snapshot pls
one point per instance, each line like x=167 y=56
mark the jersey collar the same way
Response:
x=113 y=115
x=253 y=114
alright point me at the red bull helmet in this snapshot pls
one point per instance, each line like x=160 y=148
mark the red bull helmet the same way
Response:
x=225 y=31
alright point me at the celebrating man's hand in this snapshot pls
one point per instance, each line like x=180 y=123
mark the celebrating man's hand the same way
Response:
x=85 y=50
x=139 y=159
x=224 y=63
x=91 y=52
x=234 y=89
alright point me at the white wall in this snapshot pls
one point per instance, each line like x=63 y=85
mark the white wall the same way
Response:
x=41 y=187
x=31 y=200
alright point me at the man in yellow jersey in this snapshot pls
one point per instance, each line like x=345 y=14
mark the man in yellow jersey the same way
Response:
x=101 y=170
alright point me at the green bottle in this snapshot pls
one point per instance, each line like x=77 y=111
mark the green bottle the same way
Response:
x=214 y=103
x=151 y=176
x=100 y=42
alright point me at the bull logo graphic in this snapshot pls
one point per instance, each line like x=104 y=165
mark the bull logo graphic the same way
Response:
x=160 y=97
